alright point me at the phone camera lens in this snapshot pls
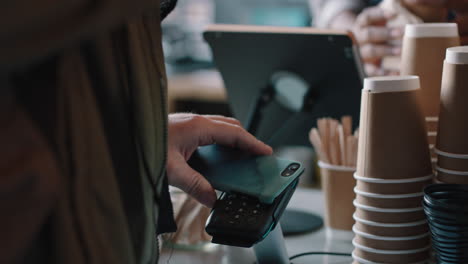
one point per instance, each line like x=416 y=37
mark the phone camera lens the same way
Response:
x=290 y=170
x=294 y=167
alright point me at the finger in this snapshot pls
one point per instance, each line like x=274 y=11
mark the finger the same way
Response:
x=374 y=53
x=233 y=136
x=190 y=181
x=224 y=119
x=373 y=16
x=373 y=34
x=213 y=117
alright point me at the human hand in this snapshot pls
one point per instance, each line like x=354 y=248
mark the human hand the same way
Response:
x=189 y=131
x=459 y=7
x=374 y=37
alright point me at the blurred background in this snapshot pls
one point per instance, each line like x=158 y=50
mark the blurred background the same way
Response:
x=194 y=84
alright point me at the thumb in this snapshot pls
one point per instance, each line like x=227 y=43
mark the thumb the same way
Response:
x=181 y=175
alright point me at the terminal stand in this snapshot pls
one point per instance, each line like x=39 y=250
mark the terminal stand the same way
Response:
x=272 y=250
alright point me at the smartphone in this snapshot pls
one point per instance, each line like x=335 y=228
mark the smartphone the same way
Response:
x=233 y=170
x=256 y=190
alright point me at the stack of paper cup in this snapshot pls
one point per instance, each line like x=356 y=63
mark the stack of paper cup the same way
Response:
x=452 y=140
x=393 y=168
x=423 y=54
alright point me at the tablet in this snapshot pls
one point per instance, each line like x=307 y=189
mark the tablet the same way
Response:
x=250 y=57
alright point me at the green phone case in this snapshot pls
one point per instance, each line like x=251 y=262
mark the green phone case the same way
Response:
x=232 y=170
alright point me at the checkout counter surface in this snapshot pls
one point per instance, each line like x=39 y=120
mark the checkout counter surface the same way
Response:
x=310 y=200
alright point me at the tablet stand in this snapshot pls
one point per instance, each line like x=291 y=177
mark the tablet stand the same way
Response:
x=255 y=115
x=310 y=222
x=272 y=250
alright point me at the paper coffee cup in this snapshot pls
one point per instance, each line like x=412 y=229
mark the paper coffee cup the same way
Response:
x=432 y=138
x=390 y=256
x=432 y=123
x=452 y=176
x=453 y=128
x=391 y=229
x=337 y=184
x=389 y=200
x=423 y=53
x=438 y=181
x=386 y=215
x=392 y=135
x=383 y=186
x=392 y=243
x=451 y=161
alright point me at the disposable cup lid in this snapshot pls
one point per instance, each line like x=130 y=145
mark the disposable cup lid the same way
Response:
x=428 y=30
x=388 y=84
x=457 y=55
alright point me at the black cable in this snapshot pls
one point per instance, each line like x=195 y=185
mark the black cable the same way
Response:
x=319 y=253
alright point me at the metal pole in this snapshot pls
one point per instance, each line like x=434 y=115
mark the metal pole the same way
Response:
x=272 y=250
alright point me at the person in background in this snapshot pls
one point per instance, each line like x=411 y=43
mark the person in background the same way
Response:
x=370 y=22
x=86 y=146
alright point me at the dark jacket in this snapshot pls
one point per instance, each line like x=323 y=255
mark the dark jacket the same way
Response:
x=83 y=131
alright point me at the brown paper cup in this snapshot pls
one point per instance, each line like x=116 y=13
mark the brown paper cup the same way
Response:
x=451 y=162
x=337 y=184
x=386 y=215
x=432 y=137
x=389 y=200
x=392 y=136
x=451 y=176
x=392 y=243
x=437 y=181
x=364 y=255
x=391 y=230
x=453 y=128
x=432 y=123
x=382 y=186
x=423 y=53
